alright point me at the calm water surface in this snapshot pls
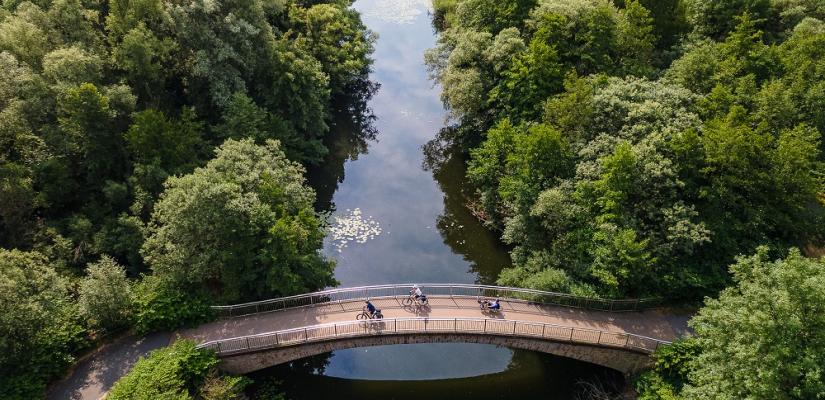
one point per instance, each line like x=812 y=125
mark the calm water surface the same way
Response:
x=427 y=236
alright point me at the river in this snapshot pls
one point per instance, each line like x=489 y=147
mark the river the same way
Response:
x=419 y=231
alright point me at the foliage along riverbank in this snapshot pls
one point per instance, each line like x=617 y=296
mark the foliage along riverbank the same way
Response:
x=152 y=163
x=627 y=151
x=637 y=148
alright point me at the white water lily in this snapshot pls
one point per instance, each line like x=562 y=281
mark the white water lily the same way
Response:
x=352 y=227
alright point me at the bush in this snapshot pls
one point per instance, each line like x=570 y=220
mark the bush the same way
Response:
x=180 y=371
x=670 y=371
x=161 y=305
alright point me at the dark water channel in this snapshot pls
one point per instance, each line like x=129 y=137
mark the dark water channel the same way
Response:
x=426 y=235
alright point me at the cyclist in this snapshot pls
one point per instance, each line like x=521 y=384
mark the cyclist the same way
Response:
x=416 y=291
x=490 y=305
x=371 y=308
x=417 y=294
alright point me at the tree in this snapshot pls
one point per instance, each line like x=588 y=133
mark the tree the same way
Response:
x=635 y=39
x=71 y=66
x=716 y=18
x=39 y=329
x=172 y=144
x=146 y=60
x=243 y=226
x=86 y=118
x=105 y=294
x=341 y=42
x=25 y=40
x=765 y=336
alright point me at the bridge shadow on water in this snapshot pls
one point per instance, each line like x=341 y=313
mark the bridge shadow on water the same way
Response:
x=529 y=375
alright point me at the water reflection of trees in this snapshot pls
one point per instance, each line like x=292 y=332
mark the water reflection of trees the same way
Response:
x=460 y=230
x=352 y=127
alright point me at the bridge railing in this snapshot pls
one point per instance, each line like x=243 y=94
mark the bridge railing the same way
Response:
x=452 y=290
x=396 y=326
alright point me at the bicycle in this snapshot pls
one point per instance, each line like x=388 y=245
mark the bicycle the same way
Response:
x=420 y=301
x=364 y=315
x=485 y=307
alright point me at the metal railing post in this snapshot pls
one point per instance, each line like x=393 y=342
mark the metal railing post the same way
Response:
x=599 y=340
x=514 y=327
x=306 y=336
x=543 y=329
x=247 y=344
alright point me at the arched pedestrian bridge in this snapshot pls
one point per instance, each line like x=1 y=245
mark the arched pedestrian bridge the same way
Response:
x=618 y=334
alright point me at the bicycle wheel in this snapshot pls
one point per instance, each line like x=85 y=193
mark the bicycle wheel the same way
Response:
x=362 y=316
x=407 y=302
x=378 y=315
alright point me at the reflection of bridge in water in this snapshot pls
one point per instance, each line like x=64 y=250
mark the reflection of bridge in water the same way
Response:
x=618 y=334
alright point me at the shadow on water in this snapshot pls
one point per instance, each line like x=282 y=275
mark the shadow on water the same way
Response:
x=528 y=376
x=461 y=230
x=352 y=128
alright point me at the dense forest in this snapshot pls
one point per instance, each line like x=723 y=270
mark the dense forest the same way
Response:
x=659 y=148
x=152 y=164
x=153 y=158
x=634 y=149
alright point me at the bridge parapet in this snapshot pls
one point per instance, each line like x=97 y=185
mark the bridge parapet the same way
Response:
x=406 y=326
x=452 y=290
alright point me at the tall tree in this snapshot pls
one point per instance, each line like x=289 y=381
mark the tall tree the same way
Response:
x=242 y=226
x=763 y=338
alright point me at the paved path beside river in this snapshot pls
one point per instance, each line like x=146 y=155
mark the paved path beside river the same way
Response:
x=95 y=374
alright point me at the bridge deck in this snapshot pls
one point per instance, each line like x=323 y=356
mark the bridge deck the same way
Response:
x=656 y=324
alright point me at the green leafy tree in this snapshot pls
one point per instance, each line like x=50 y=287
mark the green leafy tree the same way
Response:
x=24 y=39
x=716 y=18
x=86 y=117
x=764 y=337
x=105 y=295
x=147 y=60
x=252 y=205
x=340 y=41
x=71 y=66
x=172 y=144
x=635 y=39
x=39 y=328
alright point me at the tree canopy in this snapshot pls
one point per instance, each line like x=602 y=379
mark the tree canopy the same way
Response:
x=762 y=337
x=109 y=114
x=613 y=160
x=243 y=225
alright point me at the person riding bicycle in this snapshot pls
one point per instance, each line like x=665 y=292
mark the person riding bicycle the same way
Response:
x=490 y=305
x=371 y=308
x=417 y=294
